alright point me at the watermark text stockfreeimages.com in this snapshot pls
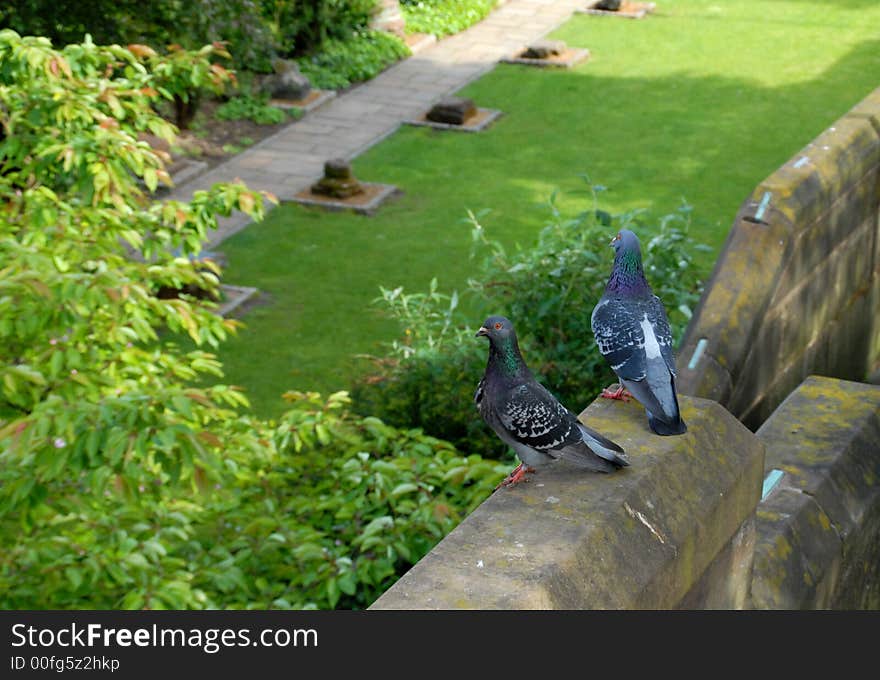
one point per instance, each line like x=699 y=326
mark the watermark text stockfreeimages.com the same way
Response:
x=209 y=640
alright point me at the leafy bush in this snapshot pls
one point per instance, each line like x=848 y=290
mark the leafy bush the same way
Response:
x=429 y=376
x=326 y=510
x=443 y=17
x=184 y=75
x=303 y=26
x=344 y=507
x=549 y=292
x=237 y=23
x=158 y=22
x=360 y=57
x=256 y=109
x=128 y=478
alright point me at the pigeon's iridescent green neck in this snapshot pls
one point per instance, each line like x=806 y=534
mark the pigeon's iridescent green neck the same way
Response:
x=507 y=354
x=511 y=356
x=628 y=277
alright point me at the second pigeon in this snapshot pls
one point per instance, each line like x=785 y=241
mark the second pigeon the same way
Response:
x=528 y=418
x=632 y=331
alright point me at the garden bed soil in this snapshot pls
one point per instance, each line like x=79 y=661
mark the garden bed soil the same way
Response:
x=211 y=140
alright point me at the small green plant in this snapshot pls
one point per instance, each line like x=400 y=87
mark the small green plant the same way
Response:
x=184 y=75
x=254 y=108
x=443 y=17
x=363 y=55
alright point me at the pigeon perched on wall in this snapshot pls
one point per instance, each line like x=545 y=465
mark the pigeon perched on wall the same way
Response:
x=528 y=418
x=632 y=331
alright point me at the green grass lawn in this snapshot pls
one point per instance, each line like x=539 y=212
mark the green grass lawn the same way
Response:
x=701 y=100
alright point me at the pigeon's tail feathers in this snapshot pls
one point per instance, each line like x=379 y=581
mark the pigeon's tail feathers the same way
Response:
x=667 y=424
x=665 y=428
x=603 y=447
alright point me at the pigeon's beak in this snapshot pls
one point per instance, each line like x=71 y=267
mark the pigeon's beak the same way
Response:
x=611 y=242
x=482 y=332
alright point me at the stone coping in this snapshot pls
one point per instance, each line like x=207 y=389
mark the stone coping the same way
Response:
x=641 y=537
x=818 y=528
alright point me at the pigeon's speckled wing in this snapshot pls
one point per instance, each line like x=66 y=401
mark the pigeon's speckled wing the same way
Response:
x=619 y=337
x=657 y=316
x=619 y=326
x=532 y=416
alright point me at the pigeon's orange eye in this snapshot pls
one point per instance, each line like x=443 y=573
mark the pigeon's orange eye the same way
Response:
x=617 y=238
x=498 y=325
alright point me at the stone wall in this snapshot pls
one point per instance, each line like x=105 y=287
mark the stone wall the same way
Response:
x=818 y=525
x=719 y=518
x=796 y=289
x=676 y=528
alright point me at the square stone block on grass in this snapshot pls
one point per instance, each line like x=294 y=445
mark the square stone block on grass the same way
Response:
x=628 y=10
x=568 y=58
x=476 y=123
x=310 y=102
x=365 y=203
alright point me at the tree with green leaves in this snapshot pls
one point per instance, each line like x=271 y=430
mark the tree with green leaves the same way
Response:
x=97 y=414
x=130 y=476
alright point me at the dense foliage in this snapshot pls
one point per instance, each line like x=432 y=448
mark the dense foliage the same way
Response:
x=303 y=26
x=189 y=23
x=548 y=291
x=128 y=476
x=361 y=56
x=256 y=109
x=343 y=507
x=330 y=38
x=443 y=17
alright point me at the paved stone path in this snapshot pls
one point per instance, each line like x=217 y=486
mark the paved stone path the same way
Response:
x=293 y=158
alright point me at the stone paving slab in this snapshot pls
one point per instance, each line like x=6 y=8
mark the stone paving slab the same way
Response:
x=345 y=126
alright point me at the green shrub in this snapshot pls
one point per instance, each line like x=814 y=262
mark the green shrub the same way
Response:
x=328 y=511
x=157 y=22
x=344 y=507
x=360 y=57
x=443 y=17
x=238 y=23
x=183 y=76
x=303 y=26
x=256 y=109
x=548 y=291
x=428 y=378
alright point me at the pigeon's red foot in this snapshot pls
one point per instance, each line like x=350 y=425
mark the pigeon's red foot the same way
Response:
x=518 y=475
x=620 y=393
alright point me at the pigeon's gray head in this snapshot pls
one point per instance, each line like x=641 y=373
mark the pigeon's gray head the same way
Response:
x=626 y=242
x=496 y=328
